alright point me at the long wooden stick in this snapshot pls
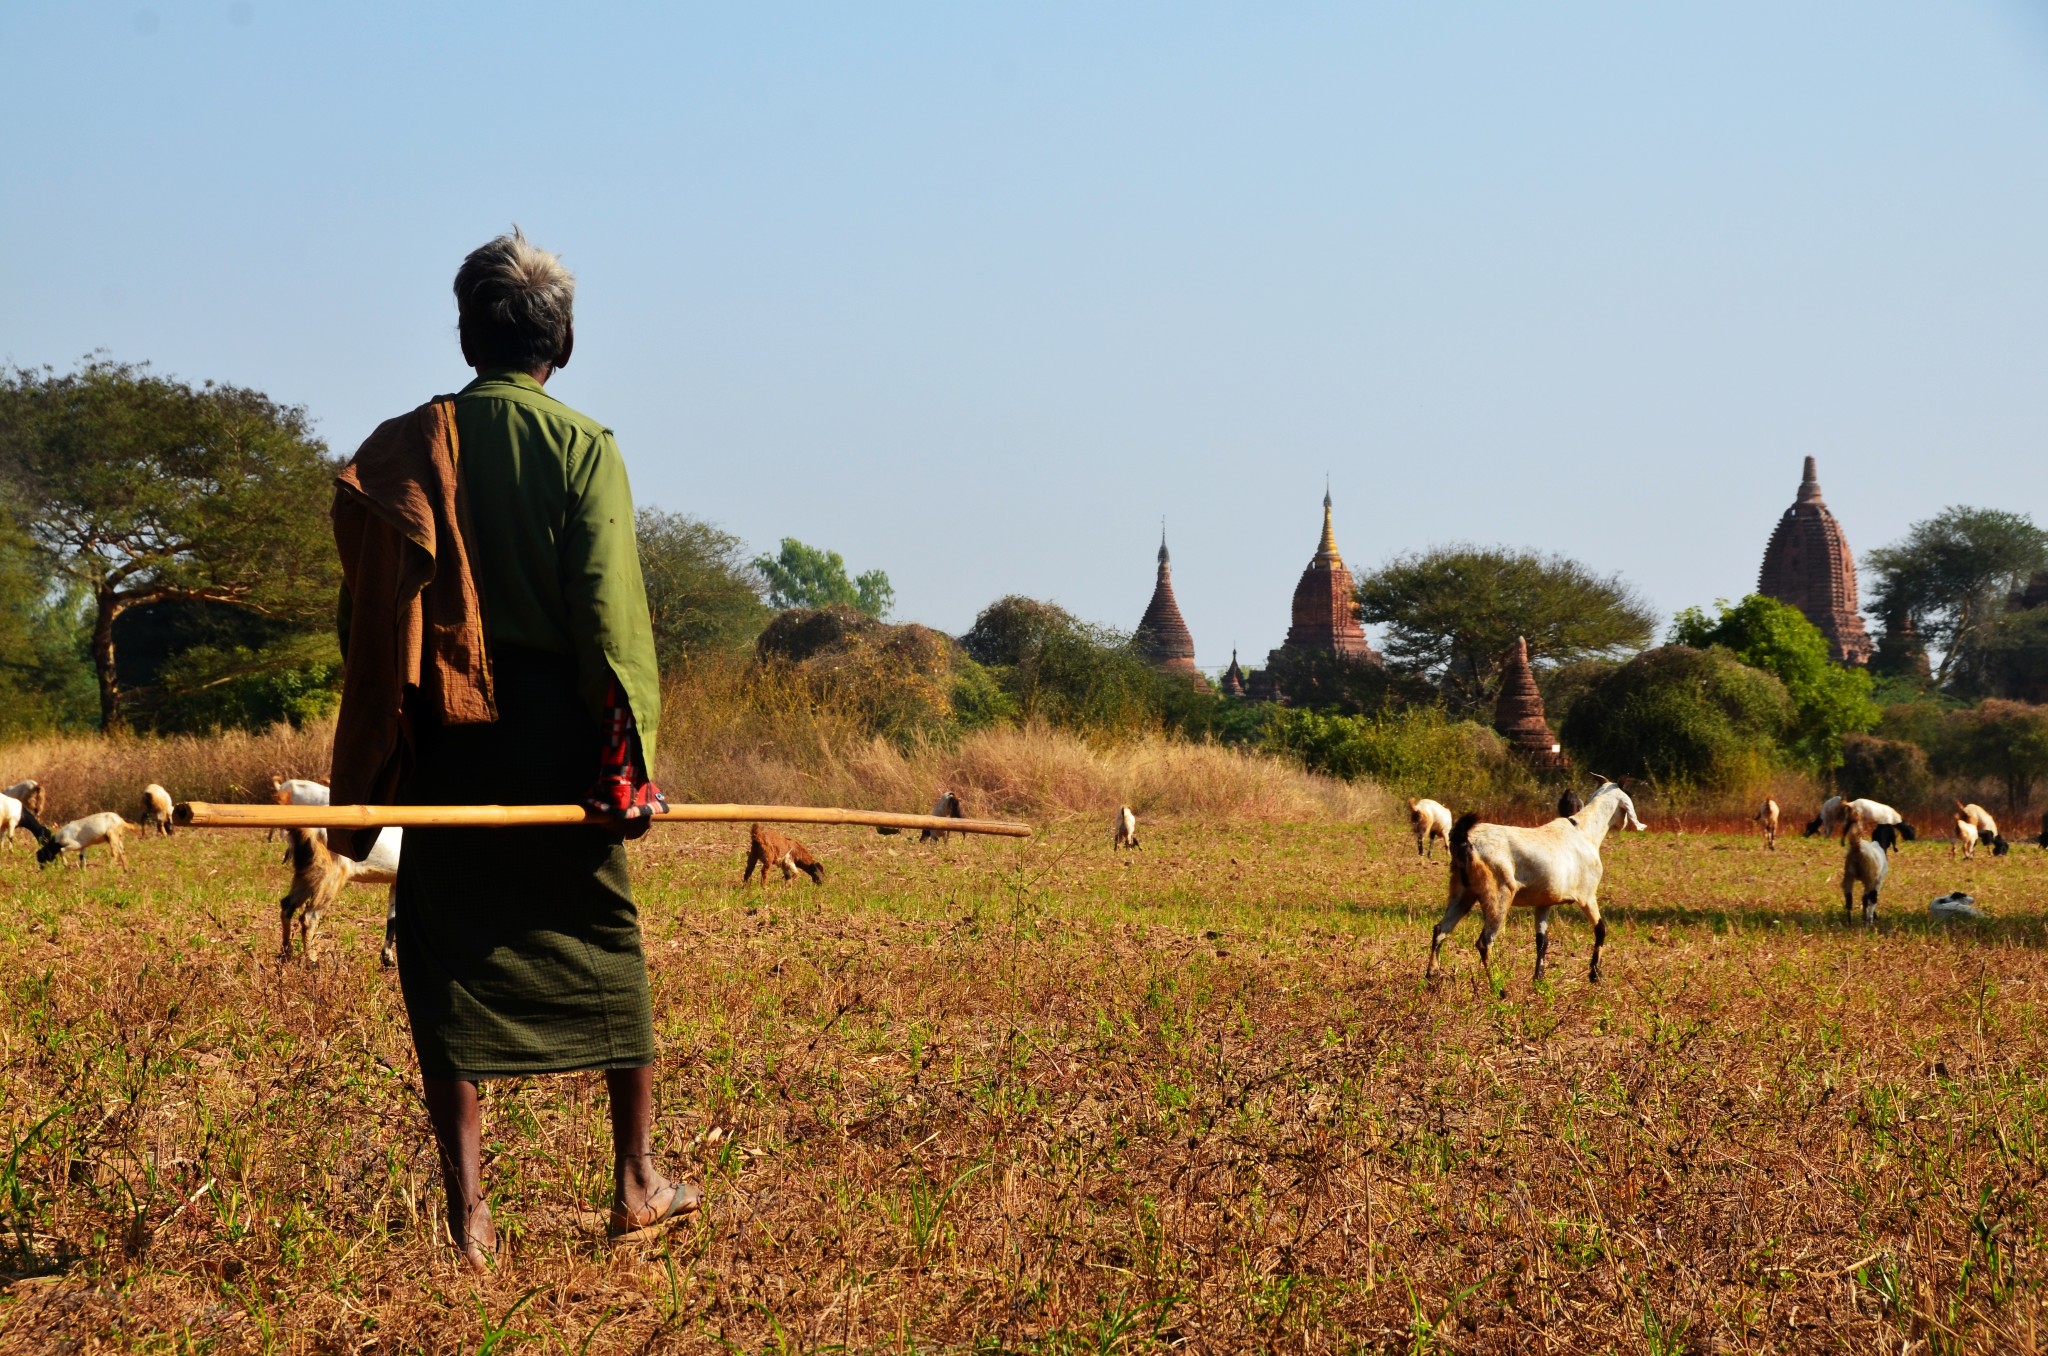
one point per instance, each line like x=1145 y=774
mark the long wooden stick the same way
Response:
x=200 y=814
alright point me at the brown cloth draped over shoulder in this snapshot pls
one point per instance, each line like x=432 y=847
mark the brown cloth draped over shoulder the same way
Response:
x=413 y=620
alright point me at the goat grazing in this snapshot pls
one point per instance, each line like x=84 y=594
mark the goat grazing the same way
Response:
x=156 y=809
x=32 y=795
x=1767 y=816
x=89 y=832
x=1498 y=866
x=1868 y=814
x=1124 y=832
x=318 y=875
x=1830 y=819
x=1569 y=804
x=10 y=819
x=1866 y=862
x=1428 y=821
x=1965 y=838
x=766 y=848
x=1987 y=827
x=947 y=807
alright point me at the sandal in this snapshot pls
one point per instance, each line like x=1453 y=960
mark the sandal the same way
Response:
x=632 y=1226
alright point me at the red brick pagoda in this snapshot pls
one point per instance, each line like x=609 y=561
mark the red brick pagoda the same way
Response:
x=1518 y=715
x=1325 y=612
x=1163 y=638
x=1808 y=564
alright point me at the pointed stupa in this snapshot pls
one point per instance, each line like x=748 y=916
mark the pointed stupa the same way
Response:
x=1808 y=564
x=1325 y=613
x=1518 y=714
x=1162 y=636
x=1233 y=677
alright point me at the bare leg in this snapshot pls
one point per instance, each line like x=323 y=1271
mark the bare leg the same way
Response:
x=457 y=1116
x=638 y=1191
x=1542 y=938
x=1456 y=910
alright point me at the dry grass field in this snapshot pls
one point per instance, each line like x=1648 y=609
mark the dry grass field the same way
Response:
x=997 y=1096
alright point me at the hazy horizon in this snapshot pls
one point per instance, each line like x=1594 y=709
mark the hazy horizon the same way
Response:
x=978 y=297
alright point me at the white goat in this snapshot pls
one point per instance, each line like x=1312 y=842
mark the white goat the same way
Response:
x=1498 y=866
x=1965 y=839
x=156 y=809
x=1868 y=814
x=1124 y=832
x=1767 y=815
x=318 y=875
x=10 y=819
x=89 y=832
x=1830 y=819
x=1987 y=827
x=31 y=795
x=1866 y=862
x=297 y=791
x=1428 y=821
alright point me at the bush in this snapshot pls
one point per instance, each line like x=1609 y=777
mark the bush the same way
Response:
x=1828 y=699
x=1888 y=770
x=1414 y=753
x=1058 y=669
x=2001 y=741
x=1684 y=720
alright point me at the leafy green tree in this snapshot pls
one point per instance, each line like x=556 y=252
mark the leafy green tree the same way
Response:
x=140 y=489
x=1888 y=770
x=702 y=591
x=1953 y=574
x=45 y=681
x=1451 y=613
x=1059 y=669
x=1830 y=699
x=2002 y=741
x=1682 y=719
x=804 y=576
x=2012 y=660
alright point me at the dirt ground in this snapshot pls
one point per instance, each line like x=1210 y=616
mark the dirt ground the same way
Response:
x=999 y=1096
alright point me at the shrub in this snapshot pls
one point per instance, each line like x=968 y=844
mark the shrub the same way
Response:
x=1888 y=770
x=1828 y=699
x=1413 y=753
x=1682 y=719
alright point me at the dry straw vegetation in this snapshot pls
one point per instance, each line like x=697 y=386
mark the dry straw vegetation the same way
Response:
x=1036 y=1097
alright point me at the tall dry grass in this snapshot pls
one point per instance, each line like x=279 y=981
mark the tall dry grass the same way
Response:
x=88 y=773
x=734 y=735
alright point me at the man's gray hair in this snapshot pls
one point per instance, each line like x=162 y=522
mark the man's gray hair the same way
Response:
x=515 y=301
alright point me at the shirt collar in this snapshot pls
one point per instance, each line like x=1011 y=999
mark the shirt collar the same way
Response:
x=510 y=377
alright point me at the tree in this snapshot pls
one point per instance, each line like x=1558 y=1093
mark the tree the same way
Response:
x=1888 y=770
x=1054 y=667
x=702 y=592
x=1451 y=614
x=45 y=681
x=141 y=489
x=803 y=576
x=2001 y=740
x=1681 y=718
x=1829 y=699
x=1953 y=574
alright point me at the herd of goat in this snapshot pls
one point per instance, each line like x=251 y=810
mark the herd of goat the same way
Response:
x=1493 y=867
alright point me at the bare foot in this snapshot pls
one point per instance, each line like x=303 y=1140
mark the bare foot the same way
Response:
x=478 y=1242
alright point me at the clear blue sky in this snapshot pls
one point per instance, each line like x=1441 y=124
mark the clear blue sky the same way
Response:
x=978 y=293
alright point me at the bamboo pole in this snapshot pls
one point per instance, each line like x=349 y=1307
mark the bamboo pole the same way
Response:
x=200 y=814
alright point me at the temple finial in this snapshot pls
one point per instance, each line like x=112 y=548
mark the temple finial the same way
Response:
x=1809 y=481
x=1162 y=541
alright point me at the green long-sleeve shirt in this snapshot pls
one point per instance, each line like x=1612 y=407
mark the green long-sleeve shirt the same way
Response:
x=551 y=539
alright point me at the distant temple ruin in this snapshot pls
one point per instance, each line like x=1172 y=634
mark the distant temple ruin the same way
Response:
x=1808 y=564
x=1162 y=637
x=1325 y=610
x=1518 y=714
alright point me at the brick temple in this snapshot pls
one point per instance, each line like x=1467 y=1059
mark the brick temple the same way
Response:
x=1808 y=564
x=1518 y=714
x=1162 y=637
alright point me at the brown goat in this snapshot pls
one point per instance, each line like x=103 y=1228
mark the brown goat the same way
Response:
x=766 y=848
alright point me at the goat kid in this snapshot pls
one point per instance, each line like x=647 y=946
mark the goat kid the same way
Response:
x=1830 y=819
x=1124 y=832
x=1767 y=816
x=1499 y=866
x=32 y=795
x=946 y=807
x=1429 y=821
x=318 y=876
x=766 y=848
x=1569 y=804
x=80 y=834
x=156 y=809
x=1866 y=862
